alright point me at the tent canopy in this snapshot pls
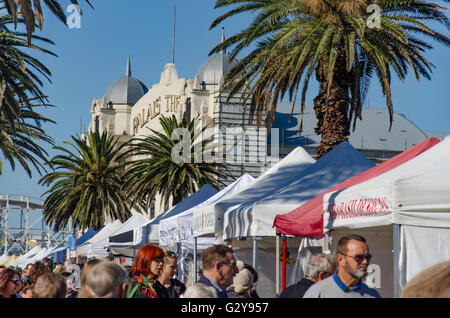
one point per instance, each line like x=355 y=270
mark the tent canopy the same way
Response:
x=307 y=219
x=122 y=233
x=105 y=232
x=149 y=231
x=372 y=203
x=179 y=228
x=209 y=221
x=83 y=238
x=256 y=218
x=99 y=248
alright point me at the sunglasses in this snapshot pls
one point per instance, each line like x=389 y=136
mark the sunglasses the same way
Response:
x=359 y=258
x=171 y=254
x=17 y=281
x=158 y=260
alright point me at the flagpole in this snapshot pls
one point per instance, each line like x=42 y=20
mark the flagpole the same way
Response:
x=173 y=40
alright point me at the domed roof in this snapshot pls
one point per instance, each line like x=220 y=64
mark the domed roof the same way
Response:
x=126 y=90
x=215 y=67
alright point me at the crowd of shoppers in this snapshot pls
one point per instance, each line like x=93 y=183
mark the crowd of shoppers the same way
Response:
x=153 y=272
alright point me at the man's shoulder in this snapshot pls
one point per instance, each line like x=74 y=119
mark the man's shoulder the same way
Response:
x=202 y=279
x=318 y=288
x=298 y=289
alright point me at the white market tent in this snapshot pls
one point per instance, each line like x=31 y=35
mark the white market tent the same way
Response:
x=99 y=249
x=149 y=231
x=105 y=232
x=176 y=232
x=405 y=210
x=255 y=219
x=209 y=221
x=27 y=255
x=169 y=231
x=32 y=259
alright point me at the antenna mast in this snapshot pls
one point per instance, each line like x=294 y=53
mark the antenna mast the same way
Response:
x=173 y=41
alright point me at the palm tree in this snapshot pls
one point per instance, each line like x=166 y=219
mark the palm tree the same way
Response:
x=295 y=38
x=87 y=184
x=31 y=11
x=156 y=171
x=20 y=81
x=21 y=142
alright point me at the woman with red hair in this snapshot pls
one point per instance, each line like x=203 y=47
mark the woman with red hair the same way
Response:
x=147 y=266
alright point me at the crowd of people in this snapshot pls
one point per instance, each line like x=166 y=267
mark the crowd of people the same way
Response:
x=152 y=275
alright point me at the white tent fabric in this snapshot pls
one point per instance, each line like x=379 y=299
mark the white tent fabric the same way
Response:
x=99 y=248
x=410 y=200
x=372 y=203
x=37 y=257
x=22 y=263
x=256 y=218
x=209 y=221
x=149 y=232
x=179 y=228
x=105 y=232
x=27 y=255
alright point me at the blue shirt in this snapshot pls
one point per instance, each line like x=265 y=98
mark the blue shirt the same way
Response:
x=344 y=287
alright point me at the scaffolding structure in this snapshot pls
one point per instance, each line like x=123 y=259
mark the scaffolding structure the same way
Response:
x=18 y=239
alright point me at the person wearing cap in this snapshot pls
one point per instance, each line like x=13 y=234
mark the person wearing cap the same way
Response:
x=320 y=266
x=352 y=258
x=242 y=283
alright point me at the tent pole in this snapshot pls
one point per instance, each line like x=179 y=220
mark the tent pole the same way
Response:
x=284 y=263
x=396 y=245
x=195 y=259
x=277 y=267
x=255 y=251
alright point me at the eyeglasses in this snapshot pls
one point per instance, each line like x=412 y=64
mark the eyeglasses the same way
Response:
x=16 y=281
x=233 y=264
x=171 y=254
x=158 y=260
x=360 y=257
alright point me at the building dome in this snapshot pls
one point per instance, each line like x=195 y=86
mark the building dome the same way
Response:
x=126 y=90
x=214 y=68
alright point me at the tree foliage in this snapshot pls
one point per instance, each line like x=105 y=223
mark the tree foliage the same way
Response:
x=290 y=40
x=86 y=184
x=154 y=170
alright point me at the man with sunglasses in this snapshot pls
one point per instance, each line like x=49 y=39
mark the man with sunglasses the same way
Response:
x=352 y=258
x=219 y=268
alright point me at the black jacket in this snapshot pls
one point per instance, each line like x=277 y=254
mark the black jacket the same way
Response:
x=297 y=290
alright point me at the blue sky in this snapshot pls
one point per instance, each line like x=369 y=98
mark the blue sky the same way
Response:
x=93 y=57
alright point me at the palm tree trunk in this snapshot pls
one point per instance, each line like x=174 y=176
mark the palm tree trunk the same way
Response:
x=333 y=124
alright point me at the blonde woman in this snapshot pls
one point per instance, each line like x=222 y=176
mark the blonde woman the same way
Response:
x=166 y=279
